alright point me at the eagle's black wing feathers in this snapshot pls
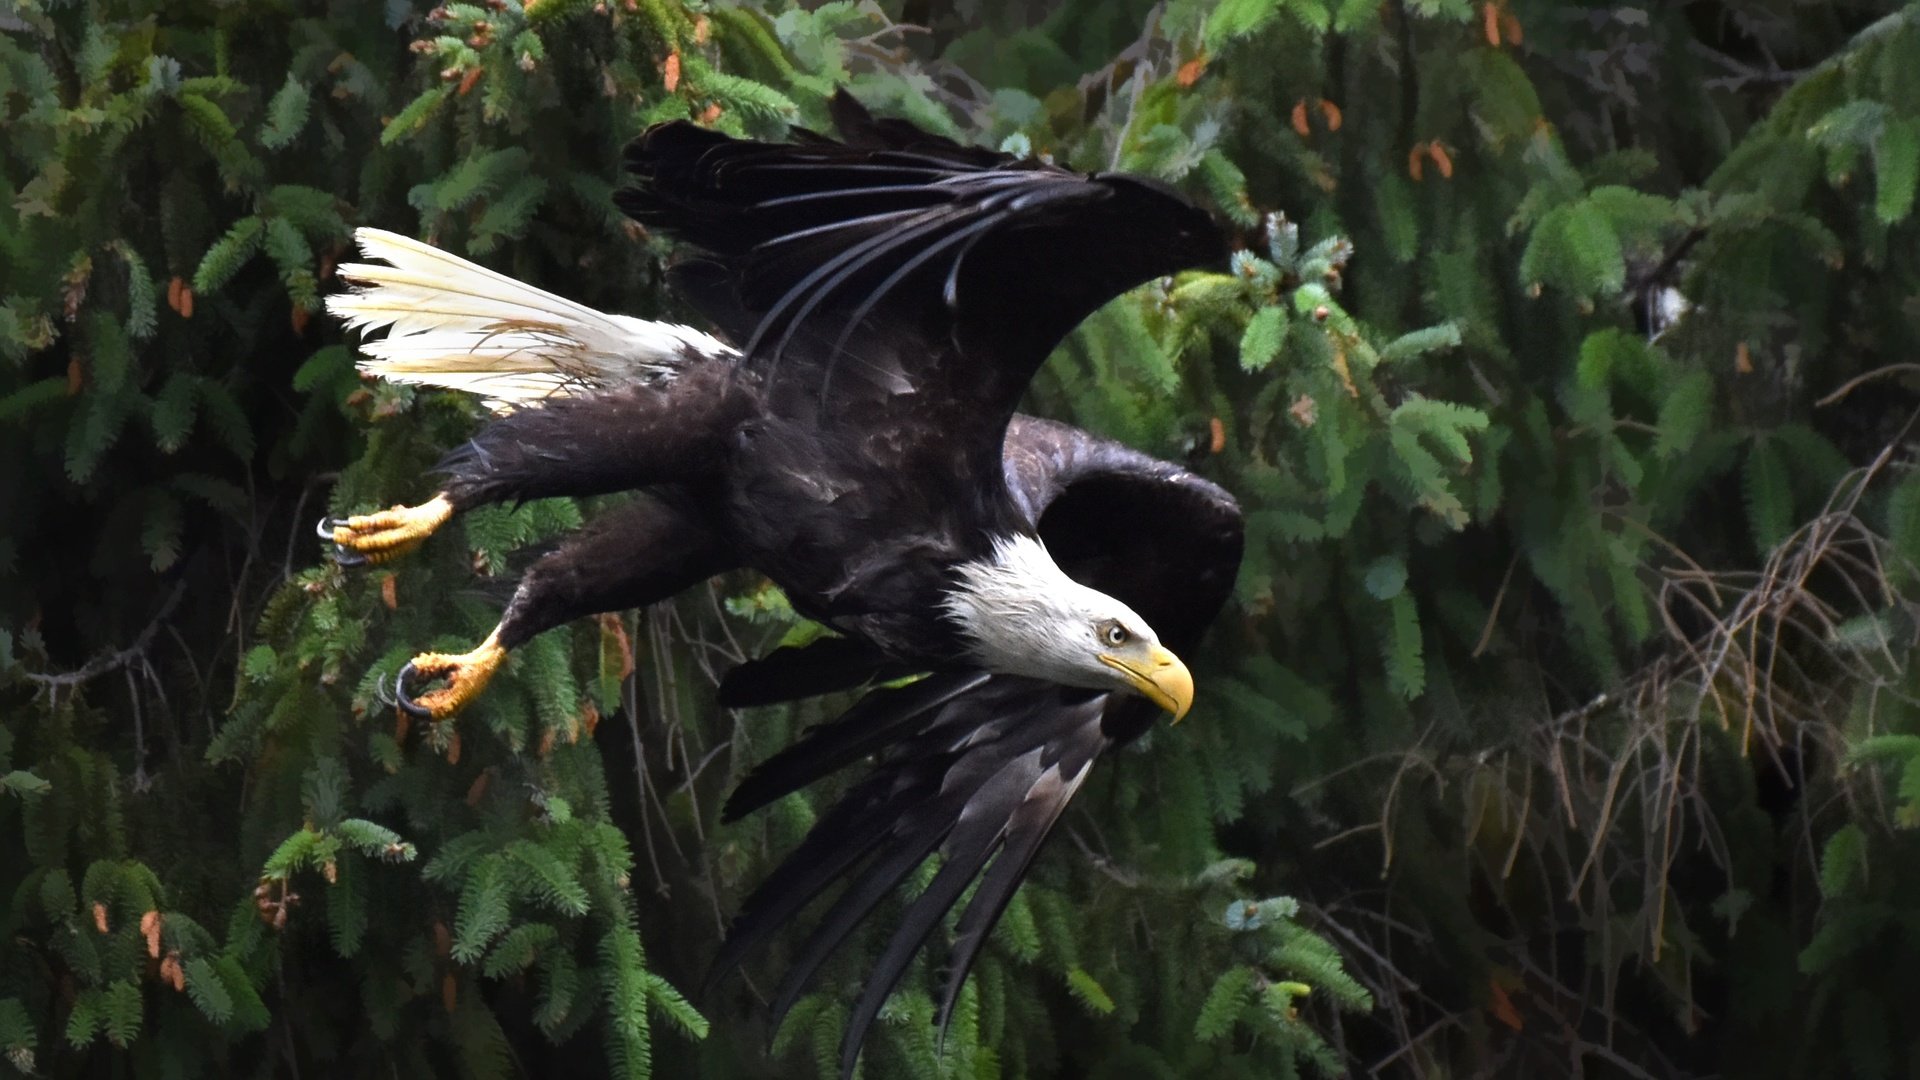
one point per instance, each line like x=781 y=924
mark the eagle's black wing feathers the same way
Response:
x=1009 y=807
x=983 y=260
x=1024 y=830
x=846 y=834
x=790 y=672
x=1163 y=541
x=981 y=769
x=920 y=233
x=918 y=833
x=880 y=718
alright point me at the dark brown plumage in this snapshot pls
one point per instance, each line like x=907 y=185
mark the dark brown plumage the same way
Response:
x=890 y=296
x=979 y=766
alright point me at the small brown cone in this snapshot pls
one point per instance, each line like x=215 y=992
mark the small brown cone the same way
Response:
x=150 y=929
x=1190 y=72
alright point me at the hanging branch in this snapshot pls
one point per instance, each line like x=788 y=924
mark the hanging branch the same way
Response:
x=110 y=662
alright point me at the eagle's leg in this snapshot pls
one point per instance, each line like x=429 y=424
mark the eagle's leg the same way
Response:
x=616 y=440
x=388 y=534
x=466 y=674
x=629 y=557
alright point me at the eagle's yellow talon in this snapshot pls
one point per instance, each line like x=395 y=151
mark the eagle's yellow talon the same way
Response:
x=388 y=534
x=466 y=674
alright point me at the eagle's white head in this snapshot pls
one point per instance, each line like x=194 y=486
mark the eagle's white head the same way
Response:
x=1022 y=615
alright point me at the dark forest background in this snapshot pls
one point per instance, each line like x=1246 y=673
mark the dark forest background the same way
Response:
x=1565 y=720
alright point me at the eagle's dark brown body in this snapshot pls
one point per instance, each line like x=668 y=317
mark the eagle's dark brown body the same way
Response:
x=888 y=297
x=853 y=453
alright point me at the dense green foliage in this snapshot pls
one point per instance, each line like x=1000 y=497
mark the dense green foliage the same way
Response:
x=1565 y=713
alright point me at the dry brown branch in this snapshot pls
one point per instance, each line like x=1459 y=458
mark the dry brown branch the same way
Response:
x=1760 y=666
x=114 y=661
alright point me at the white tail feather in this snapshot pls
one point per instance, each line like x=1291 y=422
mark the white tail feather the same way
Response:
x=461 y=326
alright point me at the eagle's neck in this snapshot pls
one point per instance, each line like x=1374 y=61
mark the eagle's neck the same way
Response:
x=1020 y=614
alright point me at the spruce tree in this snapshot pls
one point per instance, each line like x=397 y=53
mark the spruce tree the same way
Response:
x=1565 y=710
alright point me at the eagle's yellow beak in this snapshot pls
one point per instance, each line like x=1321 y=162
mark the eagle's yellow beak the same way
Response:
x=1161 y=679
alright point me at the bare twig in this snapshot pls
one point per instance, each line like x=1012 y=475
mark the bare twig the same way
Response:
x=114 y=661
x=1854 y=383
x=1493 y=612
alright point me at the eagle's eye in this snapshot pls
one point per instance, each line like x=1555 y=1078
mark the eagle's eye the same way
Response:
x=1115 y=634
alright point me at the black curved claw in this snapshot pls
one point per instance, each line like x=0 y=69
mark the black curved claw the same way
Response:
x=404 y=699
x=345 y=556
x=383 y=694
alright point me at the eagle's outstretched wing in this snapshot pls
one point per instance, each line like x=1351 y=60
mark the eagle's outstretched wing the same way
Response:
x=979 y=767
x=916 y=263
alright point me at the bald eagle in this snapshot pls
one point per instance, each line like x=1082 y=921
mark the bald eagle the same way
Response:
x=882 y=301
